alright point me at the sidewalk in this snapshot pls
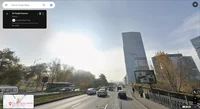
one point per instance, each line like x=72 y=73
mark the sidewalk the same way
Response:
x=146 y=102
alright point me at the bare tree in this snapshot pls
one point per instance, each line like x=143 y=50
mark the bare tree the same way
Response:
x=55 y=69
x=174 y=73
x=67 y=72
x=40 y=70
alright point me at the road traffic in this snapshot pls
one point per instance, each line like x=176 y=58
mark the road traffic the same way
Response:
x=111 y=101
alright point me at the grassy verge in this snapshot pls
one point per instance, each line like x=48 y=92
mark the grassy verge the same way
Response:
x=48 y=98
x=1 y=104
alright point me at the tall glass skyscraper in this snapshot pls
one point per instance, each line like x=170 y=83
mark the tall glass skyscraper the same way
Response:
x=134 y=53
x=196 y=44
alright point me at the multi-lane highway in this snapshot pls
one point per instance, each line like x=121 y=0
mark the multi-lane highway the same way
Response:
x=94 y=102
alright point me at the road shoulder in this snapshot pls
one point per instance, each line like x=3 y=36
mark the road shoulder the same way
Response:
x=148 y=103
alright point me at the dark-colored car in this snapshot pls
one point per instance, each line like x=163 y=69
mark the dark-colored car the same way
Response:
x=119 y=88
x=110 y=89
x=122 y=94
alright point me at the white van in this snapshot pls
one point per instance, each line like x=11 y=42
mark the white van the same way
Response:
x=8 y=90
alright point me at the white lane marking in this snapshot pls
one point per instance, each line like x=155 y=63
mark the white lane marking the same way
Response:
x=76 y=104
x=137 y=101
x=106 y=106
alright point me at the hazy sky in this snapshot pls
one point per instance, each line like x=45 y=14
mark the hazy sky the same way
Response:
x=87 y=34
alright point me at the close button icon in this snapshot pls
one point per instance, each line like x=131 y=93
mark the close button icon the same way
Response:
x=195 y=4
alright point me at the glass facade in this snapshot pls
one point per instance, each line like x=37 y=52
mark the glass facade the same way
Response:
x=134 y=53
x=196 y=44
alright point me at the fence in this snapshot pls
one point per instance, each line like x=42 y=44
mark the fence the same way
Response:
x=171 y=102
x=170 y=99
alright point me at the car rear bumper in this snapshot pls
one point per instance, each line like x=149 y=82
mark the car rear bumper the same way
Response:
x=91 y=93
x=122 y=96
x=102 y=94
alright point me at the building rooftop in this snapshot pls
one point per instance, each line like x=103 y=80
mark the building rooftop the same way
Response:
x=172 y=55
x=198 y=37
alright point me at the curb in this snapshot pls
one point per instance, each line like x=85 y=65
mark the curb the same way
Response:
x=56 y=100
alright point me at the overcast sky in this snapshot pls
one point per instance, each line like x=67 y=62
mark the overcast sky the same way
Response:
x=87 y=34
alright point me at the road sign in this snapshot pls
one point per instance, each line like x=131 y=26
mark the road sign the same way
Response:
x=145 y=76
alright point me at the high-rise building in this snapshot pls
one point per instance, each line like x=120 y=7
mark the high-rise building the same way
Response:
x=196 y=44
x=134 y=53
x=192 y=69
x=188 y=65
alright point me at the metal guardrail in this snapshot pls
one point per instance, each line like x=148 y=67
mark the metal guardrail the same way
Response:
x=168 y=101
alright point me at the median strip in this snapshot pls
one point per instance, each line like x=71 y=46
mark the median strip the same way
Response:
x=1 y=106
x=39 y=100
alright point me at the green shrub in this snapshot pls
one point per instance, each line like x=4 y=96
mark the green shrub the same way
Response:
x=46 y=98
x=1 y=106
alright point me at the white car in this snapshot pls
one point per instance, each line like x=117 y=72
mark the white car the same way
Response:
x=101 y=92
x=77 y=90
x=91 y=91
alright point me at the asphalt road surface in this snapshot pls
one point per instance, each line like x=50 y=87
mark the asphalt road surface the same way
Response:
x=94 y=102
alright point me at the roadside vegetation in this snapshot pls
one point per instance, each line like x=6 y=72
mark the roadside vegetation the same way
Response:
x=29 y=78
x=173 y=78
x=49 y=98
x=1 y=105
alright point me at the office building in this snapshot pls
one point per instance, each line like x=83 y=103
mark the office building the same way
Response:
x=196 y=44
x=192 y=69
x=134 y=54
x=188 y=65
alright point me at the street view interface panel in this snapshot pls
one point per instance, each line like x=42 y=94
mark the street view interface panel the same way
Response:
x=100 y=54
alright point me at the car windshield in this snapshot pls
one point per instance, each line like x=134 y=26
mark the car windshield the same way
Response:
x=86 y=52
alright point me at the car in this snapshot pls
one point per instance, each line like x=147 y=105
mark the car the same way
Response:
x=91 y=91
x=122 y=94
x=77 y=89
x=119 y=88
x=104 y=88
x=101 y=92
x=66 y=89
x=110 y=88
